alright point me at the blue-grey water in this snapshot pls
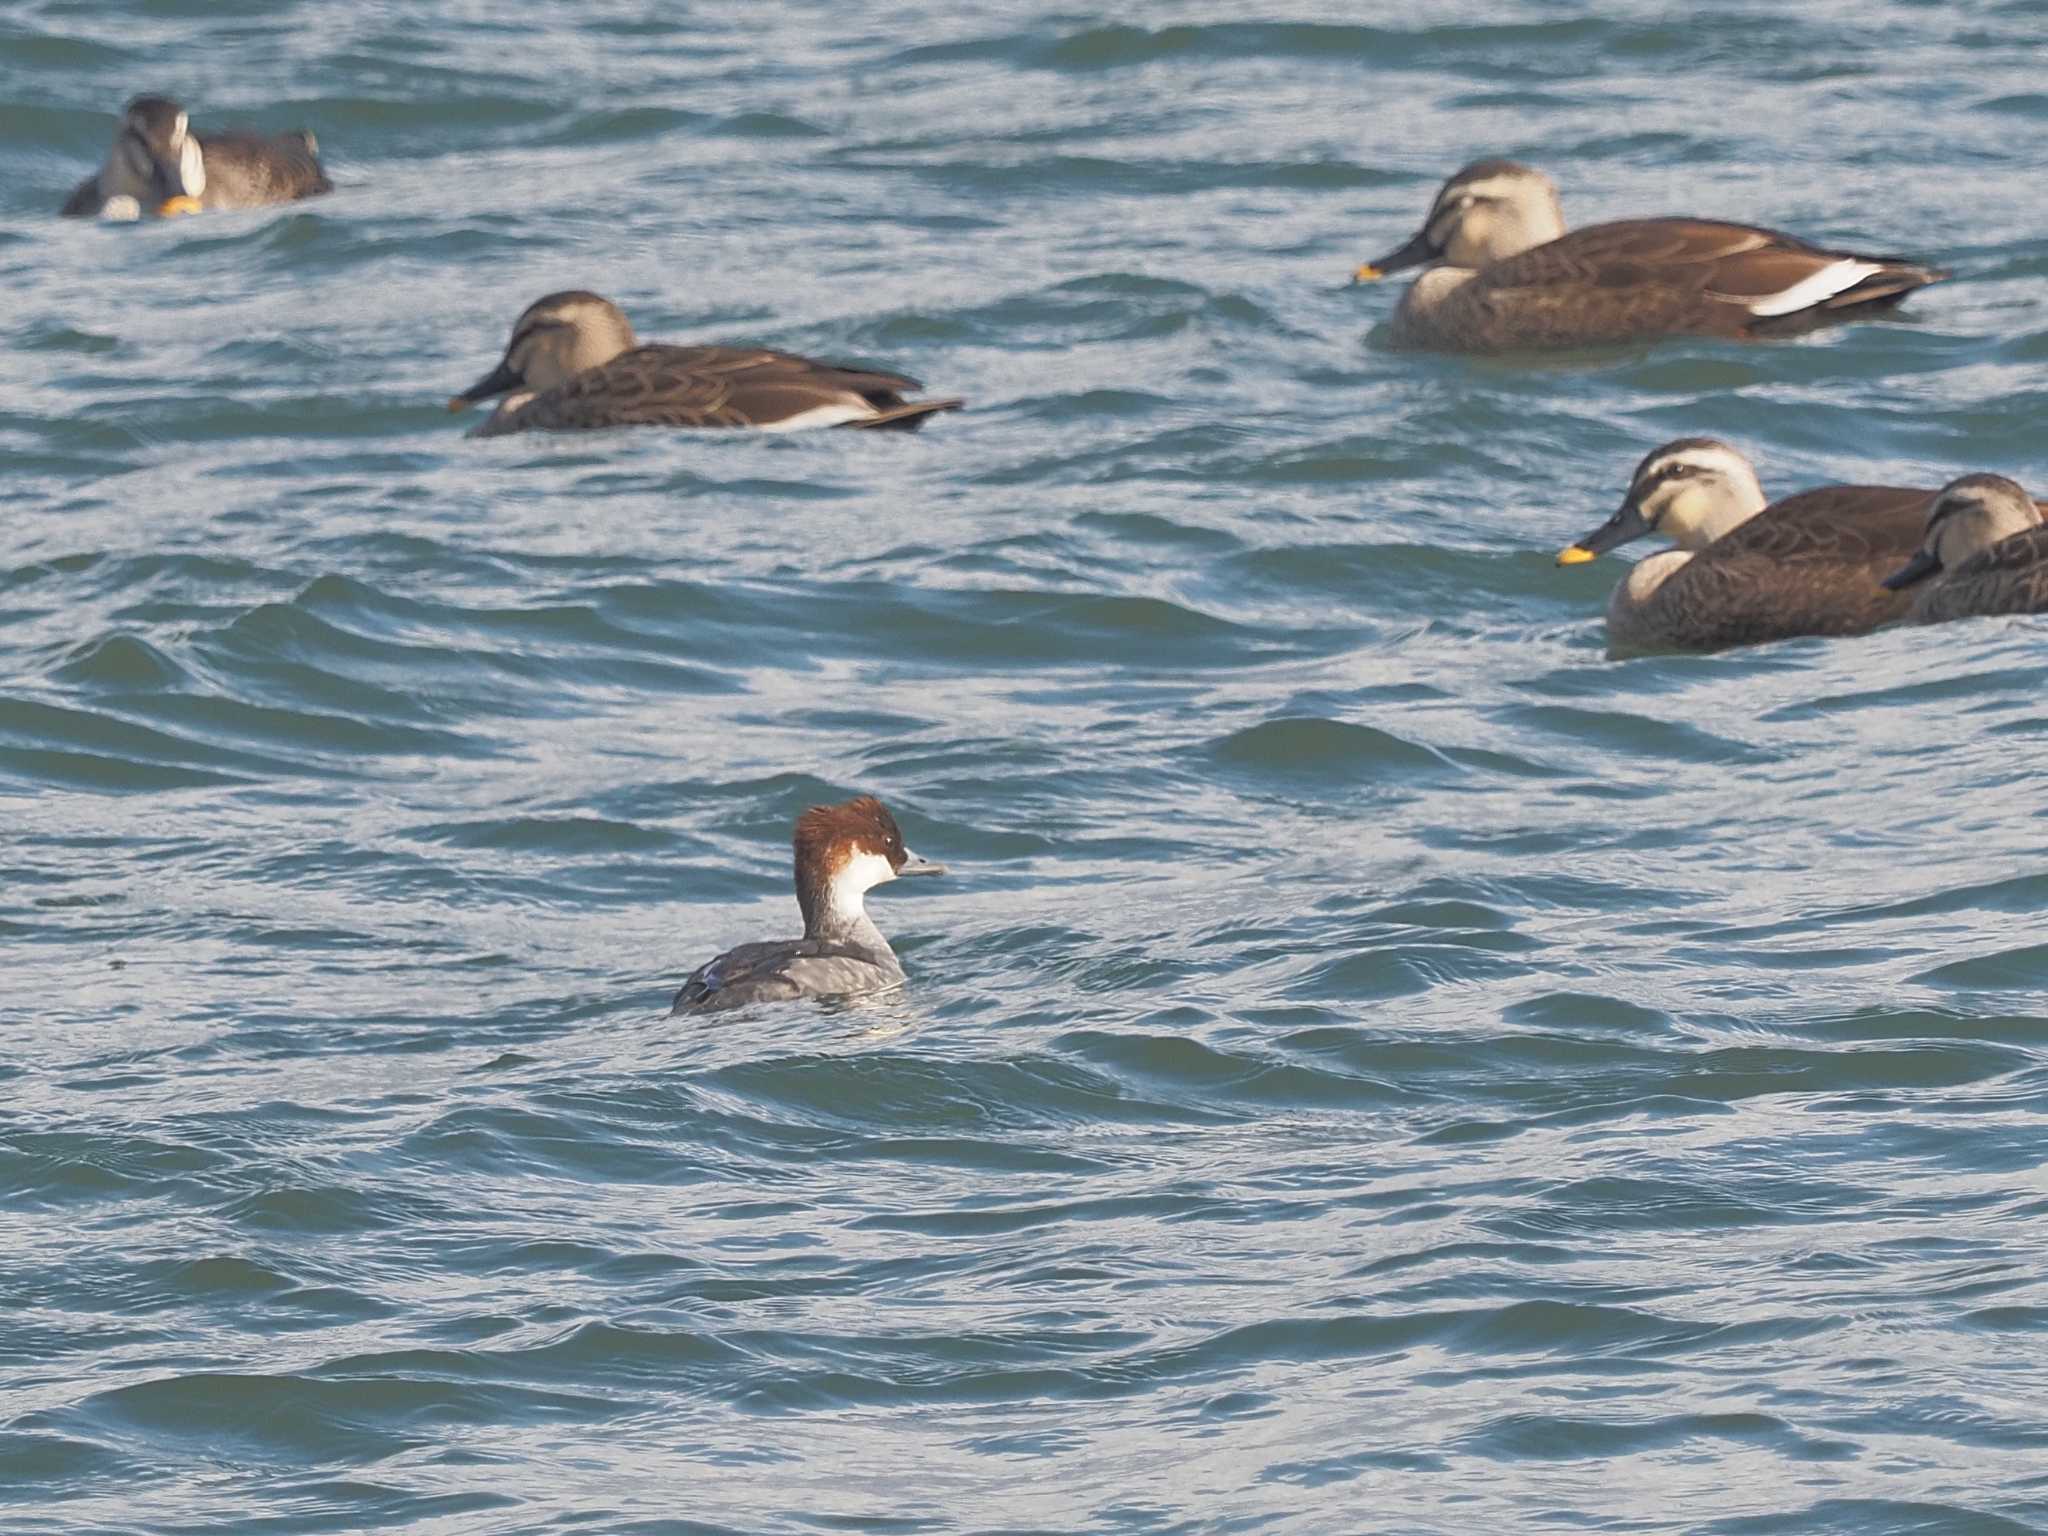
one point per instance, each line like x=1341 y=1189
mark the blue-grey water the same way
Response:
x=1377 y=1064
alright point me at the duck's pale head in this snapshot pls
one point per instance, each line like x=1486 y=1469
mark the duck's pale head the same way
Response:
x=1967 y=517
x=553 y=340
x=1489 y=211
x=155 y=164
x=1692 y=491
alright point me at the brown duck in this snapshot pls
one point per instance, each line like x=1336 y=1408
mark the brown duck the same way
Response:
x=573 y=363
x=1985 y=541
x=1503 y=274
x=158 y=165
x=1745 y=571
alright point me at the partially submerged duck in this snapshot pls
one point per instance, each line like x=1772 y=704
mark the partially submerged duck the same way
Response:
x=573 y=363
x=1984 y=552
x=157 y=165
x=841 y=852
x=1746 y=571
x=1503 y=274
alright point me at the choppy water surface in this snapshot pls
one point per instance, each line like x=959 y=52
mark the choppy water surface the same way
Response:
x=1378 y=1064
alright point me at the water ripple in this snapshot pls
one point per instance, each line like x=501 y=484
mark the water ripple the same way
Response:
x=1368 y=1043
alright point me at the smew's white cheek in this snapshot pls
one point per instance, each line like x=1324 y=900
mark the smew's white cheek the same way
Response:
x=862 y=872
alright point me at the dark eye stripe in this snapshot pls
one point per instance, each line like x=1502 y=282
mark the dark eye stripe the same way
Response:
x=1664 y=474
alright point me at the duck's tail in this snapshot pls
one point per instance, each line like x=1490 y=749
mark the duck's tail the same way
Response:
x=1894 y=279
x=907 y=417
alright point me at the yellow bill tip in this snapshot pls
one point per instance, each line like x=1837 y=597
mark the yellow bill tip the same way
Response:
x=1575 y=554
x=171 y=207
x=457 y=403
x=1367 y=274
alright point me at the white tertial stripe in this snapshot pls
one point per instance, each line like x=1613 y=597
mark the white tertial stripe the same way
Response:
x=825 y=416
x=1836 y=277
x=191 y=166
